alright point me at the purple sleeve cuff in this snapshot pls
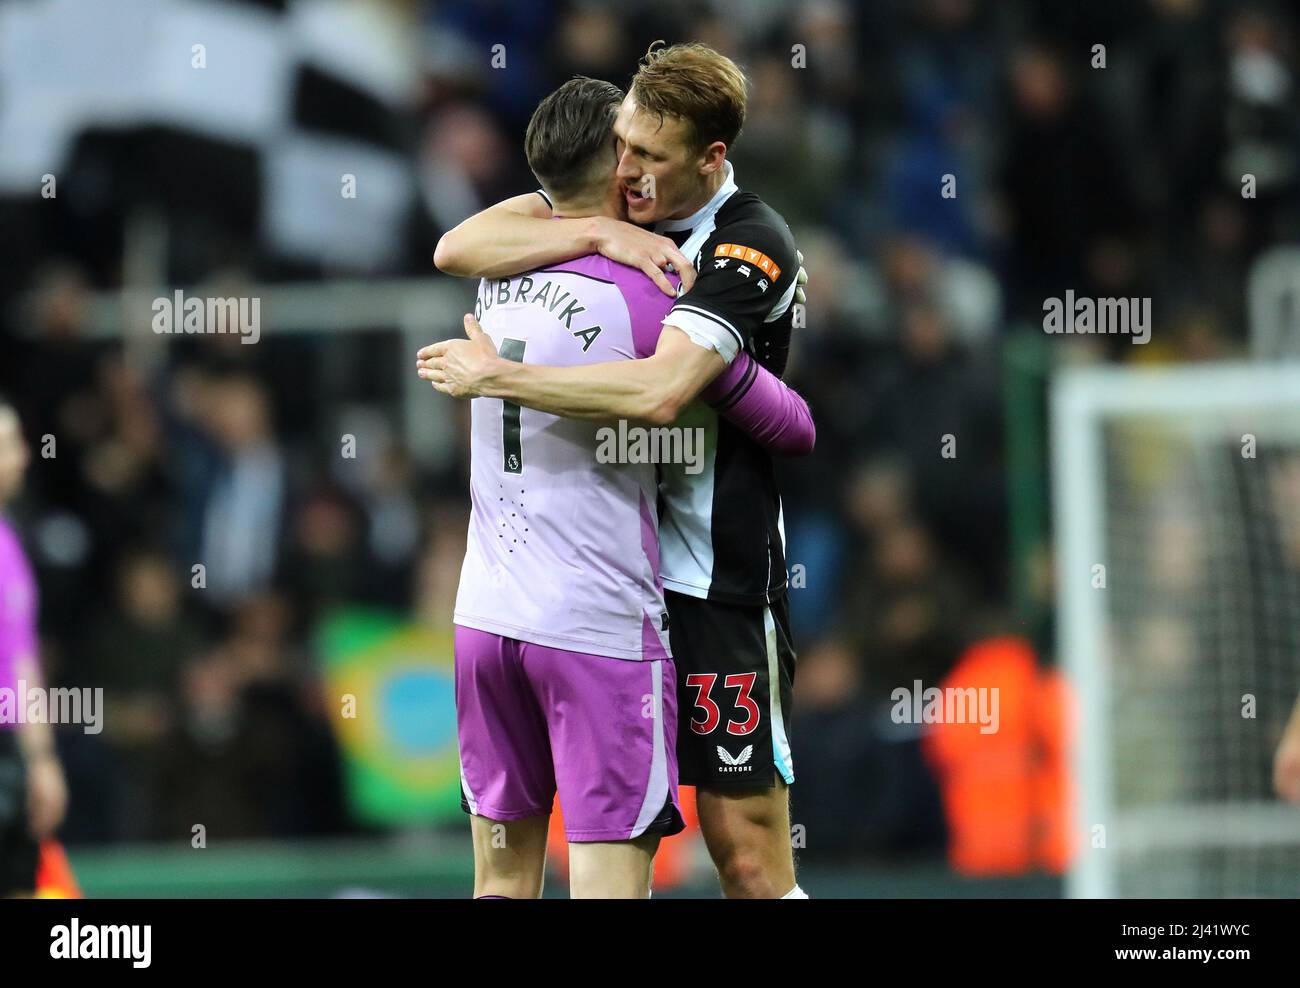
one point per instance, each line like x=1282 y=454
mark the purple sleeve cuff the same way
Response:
x=757 y=401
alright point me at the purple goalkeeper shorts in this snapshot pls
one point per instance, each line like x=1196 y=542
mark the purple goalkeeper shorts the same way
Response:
x=534 y=720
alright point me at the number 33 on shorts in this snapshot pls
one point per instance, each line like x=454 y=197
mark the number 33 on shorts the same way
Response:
x=735 y=678
x=706 y=715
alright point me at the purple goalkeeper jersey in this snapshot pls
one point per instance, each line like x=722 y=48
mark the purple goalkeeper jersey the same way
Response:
x=563 y=549
x=17 y=609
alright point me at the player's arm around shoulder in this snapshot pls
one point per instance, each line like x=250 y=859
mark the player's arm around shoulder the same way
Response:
x=521 y=234
x=496 y=242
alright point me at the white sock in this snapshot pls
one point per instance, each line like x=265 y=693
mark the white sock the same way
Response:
x=795 y=893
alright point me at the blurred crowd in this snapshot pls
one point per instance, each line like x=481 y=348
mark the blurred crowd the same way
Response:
x=1120 y=178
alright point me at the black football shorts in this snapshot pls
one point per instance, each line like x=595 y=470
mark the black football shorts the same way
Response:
x=735 y=681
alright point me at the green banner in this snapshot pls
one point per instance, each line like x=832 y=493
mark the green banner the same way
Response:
x=393 y=702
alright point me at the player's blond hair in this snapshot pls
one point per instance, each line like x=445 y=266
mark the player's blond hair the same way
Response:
x=696 y=84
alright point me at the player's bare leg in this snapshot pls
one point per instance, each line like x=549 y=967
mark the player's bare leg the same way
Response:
x=747 y=832
x=509 y=857
x=612 y=870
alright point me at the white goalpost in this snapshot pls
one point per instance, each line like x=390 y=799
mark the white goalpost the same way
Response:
x=1177 y=522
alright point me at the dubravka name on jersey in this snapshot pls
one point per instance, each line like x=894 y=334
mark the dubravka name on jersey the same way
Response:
x=521 y=292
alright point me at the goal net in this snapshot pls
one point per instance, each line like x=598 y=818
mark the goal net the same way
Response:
x=1177 y=517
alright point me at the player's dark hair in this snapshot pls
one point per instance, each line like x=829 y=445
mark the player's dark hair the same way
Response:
x=571 y=135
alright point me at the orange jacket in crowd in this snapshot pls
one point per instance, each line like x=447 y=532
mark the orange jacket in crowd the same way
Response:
x=1007 y=793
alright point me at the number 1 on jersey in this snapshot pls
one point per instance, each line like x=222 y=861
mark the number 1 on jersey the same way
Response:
x=513 y=458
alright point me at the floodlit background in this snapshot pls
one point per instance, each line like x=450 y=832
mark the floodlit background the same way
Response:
x=292 y=698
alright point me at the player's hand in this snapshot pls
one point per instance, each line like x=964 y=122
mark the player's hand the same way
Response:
x=651 y=253
x=47 y=796
x=1286 y=767
x=459 y=367
x=800 y=280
